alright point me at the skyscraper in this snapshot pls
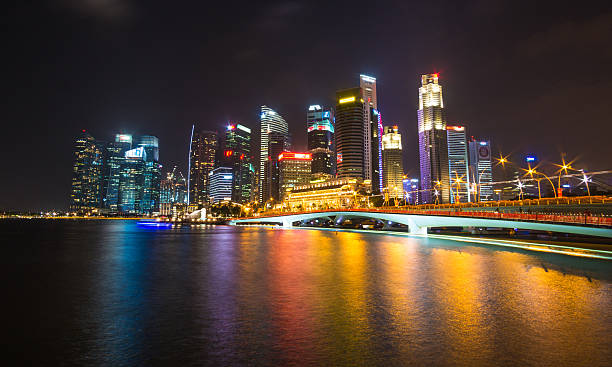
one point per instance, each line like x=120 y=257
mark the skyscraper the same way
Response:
x=458 y=164
x=237 y=156
x=151 y=174
x=367 y=84
x=115 y=157
x=270 y=122
x=376 y=130
x=220 y=184
x=131 y=182
x=350 y=133
x=320 y=127
x=294 y=170
x=277 y=143
x=433 y=149
x=204 y=146
x=86 y=193
x=481 y=170
x=393 y=168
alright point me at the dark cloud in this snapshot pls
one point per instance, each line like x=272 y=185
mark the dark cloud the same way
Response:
x=102 y=10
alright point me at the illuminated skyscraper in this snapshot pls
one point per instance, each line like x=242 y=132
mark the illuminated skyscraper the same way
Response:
x=320 y=127
x=276 y=145
x=376 y=130
x=115 y=157
x=86 y=193
x=393 y=168
x=458 y=164
x=350 y=133
x=237 y=156
x=220 y=184
x=270 y=122
x=151 y=174
x=294 y=170
x=433 y=149
x=481 y=170
x=132 y=182
x=368 y=95
x=204 y=146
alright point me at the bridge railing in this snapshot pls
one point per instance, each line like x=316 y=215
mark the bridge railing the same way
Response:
x=585 y=219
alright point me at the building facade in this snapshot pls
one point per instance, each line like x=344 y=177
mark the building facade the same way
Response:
x=237 y=156
x=270 y=122
x=220 y=184
x=433 y=149
x=277 y=143
x=294 y=170
x=349 y=133
x=393 y=168
x=151 y=174
x=87 y=174
x=320 y=128
x=202 y=160
x=481 y=171
x=115 y=159
x=334 y=194
x=376 y=130
x=367 y=84
x=458 y=164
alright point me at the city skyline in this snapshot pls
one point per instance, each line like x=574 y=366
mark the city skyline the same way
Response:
x=133 y=95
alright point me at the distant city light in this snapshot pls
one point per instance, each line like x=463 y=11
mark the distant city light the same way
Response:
x=347 y=99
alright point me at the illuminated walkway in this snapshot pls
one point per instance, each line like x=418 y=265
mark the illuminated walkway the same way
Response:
x=418 y=223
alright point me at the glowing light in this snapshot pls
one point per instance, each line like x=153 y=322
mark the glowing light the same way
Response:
x=347 y=100
x=367 y=78
x=243 y=128
x=530 y=158
x=292 y=155
x=229 y=153
x=231 y=127
x=314 y=107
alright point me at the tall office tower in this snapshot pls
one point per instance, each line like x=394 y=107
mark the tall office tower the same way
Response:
x=132 y=182
x=368 y=95
x=237 y=156
x=151 y=174
x=320 y=127
x=277 y=143
x=86 y=193
x=350 y=137
x=294 y=170
x=433 y=150
x=393 y=168
x=270 y=122
x=204 y=147
x=481 y=171
x=458 y=164
x=220 y=184
x=115 y=158
x=376 y=130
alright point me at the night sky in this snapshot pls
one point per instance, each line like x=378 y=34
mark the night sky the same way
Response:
x=531 y=76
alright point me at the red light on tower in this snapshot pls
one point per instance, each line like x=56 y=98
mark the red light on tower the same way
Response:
x=293 y=155
x=228 y=153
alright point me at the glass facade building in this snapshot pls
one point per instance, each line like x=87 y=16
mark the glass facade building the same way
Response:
x=481 y=169
x=220 y=184
x=433 y=149
x=87 y=174
x=320 y=128
x=349 y=132
x=458 y=164
x=376 y=129
x=270 y=122
x=115 y=158
x=237 y=156
x=367 y=85
x=202 y=158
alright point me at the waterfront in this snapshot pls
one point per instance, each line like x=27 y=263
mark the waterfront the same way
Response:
x=116 y=293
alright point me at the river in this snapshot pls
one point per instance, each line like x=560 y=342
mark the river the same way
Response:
x=116 y=293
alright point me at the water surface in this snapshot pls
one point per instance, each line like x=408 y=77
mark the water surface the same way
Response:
x=115 y=293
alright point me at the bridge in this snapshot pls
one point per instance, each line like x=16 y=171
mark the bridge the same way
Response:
x=418 y=221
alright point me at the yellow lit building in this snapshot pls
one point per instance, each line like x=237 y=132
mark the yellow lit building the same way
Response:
x=341 y=193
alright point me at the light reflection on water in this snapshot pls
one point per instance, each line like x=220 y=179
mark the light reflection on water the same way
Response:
x=114 y=293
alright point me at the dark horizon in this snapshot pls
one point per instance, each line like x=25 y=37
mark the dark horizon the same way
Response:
x=532 y=78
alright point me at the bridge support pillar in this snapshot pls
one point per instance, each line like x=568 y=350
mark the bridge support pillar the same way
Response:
x=414 y=229
x=287 y=223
